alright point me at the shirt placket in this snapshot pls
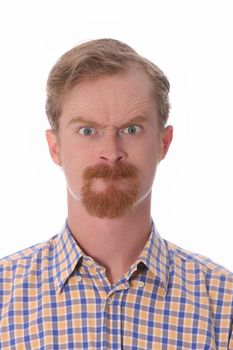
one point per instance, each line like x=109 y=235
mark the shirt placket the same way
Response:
x=113 y=317
x=110 y=336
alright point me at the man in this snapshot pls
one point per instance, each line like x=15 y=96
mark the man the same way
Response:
x=108 y=280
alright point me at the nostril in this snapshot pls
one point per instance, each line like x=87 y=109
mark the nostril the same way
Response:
x=112 y=159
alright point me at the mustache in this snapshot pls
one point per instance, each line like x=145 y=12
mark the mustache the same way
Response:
x=118 y=171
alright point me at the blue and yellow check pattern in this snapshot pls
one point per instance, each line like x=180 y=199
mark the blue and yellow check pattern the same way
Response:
x=53 y=296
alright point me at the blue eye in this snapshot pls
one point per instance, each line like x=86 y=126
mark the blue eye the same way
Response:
x=87 y=131
x=132 y=129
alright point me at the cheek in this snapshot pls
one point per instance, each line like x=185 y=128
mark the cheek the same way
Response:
x=150 y=172
x=149 y=155
x=149 y=166
x=73 y=166
x=72 y=155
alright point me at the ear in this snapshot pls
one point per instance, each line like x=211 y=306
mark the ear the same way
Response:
x=166 y=139
x=53 y=144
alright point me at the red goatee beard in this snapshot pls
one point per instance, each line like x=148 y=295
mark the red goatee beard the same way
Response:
x=113 y=201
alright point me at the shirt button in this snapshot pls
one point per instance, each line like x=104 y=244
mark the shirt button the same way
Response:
x=79 y=278
x=141 y=284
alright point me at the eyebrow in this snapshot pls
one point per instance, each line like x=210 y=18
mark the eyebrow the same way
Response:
x=135 y=120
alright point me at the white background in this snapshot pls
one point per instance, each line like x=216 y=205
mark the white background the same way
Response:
x=192 y=42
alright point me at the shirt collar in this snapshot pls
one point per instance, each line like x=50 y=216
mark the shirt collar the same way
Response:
x=67 y=255
x=155 y=256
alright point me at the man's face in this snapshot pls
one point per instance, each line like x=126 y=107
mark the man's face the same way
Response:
x=109 y=143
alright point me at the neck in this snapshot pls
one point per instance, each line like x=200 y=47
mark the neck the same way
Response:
x=113 y=243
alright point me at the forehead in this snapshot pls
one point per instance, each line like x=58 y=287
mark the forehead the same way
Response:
x=110 y=96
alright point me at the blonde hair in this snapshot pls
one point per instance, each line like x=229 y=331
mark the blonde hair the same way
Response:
x=93 y=59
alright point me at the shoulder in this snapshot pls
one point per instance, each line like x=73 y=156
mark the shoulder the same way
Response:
x=202 y=281
x=25 y=269
x=23 y=259
x=187 y=262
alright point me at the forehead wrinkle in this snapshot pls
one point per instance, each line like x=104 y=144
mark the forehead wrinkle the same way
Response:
x=136 y=109
x=138 y=104
x=80 y=119
x=142 y=107
x=137 y=119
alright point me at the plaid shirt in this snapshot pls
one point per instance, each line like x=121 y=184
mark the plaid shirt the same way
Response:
x=53 y=296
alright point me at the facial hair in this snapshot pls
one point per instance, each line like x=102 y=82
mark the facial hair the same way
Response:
x=112 y=202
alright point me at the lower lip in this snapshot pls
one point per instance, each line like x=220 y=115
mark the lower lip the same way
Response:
x=99 y=184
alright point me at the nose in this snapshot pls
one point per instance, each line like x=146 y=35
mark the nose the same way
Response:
x=112 y=150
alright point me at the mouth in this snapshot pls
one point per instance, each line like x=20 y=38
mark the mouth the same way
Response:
x=107 y=183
